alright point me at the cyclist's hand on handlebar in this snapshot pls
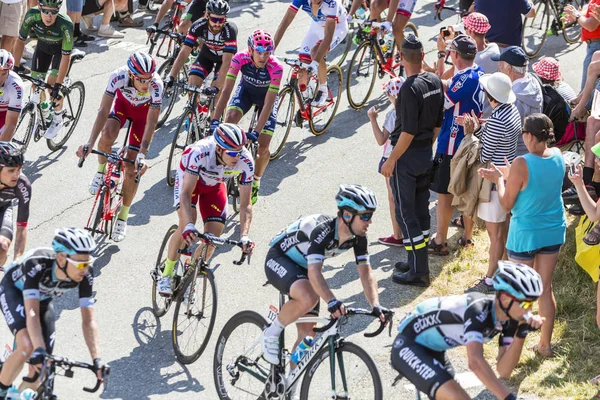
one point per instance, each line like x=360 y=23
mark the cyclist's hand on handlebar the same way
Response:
x=247 y=245
x=152 y=29
x=349 y=18
x=313 y=67
x=381 y=312
x=214 y=124
x=37 y=358
x=19 y=69
x=336 y=308
x=386 y=26
x=253 y=136
x=139 y=161
x=169 y=81
x=212 y=90
x=99 y=368
x=84 y=150
x=56 y=91
x=190 y=233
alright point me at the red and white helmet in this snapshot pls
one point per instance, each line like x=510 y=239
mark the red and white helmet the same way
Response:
x=261 y=41
x=229 y=136
x=7 y=60
x=392 y=87
x=141 y=63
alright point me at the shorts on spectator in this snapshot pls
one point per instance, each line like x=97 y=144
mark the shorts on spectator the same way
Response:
x=530 y=255
x=92 y=7
x=441 y=168
x=491 y=211
x=10 y=19
x=75 y=5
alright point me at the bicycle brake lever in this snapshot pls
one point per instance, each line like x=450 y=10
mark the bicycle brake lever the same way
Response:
x=82 y=159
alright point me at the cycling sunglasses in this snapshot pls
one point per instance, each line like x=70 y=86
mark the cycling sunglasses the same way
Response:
x=48 y=11
x=263 y=49
x=526 y=305
x=142 y=81
x=234 y=153
x=218 y=20
x=82 y=264
x=365 y=216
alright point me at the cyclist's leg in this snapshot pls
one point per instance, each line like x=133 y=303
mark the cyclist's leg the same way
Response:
x=138 y=115
x=264 y=140
x=164 y=8
x=212 y=202
x=6 y=232
x=313 y=37
x=376 y=8
x=53 y=75
x=239 y=105
x=200 y=69
x=116 y=120
x=403 y=13
x=40 y=64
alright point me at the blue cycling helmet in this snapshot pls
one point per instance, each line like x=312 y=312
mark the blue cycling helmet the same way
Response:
x=518 y=280
x=73 y=241
x=229 y=136
x=140 y=63
x=356 y=198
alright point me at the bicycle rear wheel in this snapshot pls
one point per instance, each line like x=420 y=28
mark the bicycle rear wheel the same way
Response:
x=238 y=368
x=170 y=96
x=73 y=105
x=572 y=32
x=535 y=30
x=193 y=323
x=25 y=126
x=359 y=370
x=322 y=117
x=361 y=75
x=285 y=115
x=160 y=304
x=180 y=140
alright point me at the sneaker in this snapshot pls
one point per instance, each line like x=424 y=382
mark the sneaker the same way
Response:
x=481 y=287
x=119 y=231
x=55 y=127
x=570 y=195
x=88 y=20
x=270 y=348
x=28 y=394
x=320 y=99
x=391 y=241
x=254 y=193
x=110 y=32
x=128 y=22
x=164 y=286
x=79 y=42
x=13 y=393
x=77 y=53
x=86 y=38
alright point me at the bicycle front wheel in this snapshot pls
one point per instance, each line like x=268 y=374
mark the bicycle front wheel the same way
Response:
x=285 y=115
x=239 y=370
x=194 y=317
x=353 y=365
x=73 y=105
x=161 y=304
x=180 y=140
x=535 y=30
x=25 y=127
x=572 y=32
x=170 y=96
x=322 y=117
x=97 y=224
x=361 y=75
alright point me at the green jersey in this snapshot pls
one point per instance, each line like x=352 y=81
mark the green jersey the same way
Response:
x=58 y=34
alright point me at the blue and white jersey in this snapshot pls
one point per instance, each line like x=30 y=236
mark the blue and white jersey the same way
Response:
x=327 y=9
x=464 y=95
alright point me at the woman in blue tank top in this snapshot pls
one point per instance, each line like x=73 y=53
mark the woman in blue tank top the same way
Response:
x=530 y=189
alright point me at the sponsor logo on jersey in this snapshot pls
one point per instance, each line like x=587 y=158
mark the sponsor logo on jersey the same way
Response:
x=450 y=342
x=216 y=208
x=17 y=274
x=6 y=311
x=289 y=242
x=426 y=321
x=482 y=316
x=460 y=83
x=277 y=268
x=416 y=364
x=24 y=192
x=326 y=231
x=399 y=342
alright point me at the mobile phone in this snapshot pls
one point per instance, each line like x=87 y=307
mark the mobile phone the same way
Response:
x=572 y=169
x=445 y=31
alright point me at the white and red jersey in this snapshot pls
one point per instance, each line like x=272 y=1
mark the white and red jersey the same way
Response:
x=11 y=94
x=119 y=81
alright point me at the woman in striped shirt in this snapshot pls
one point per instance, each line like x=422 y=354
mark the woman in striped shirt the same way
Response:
x=499 y=136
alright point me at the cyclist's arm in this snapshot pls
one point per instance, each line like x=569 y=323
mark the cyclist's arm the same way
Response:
x=225 y=63
x=32 y=321
x=66 y=48
x=480 y=367
x=287 y=19
x=369 y=284
x=508 y=357
x=245 y=209
x=329 y=30
x=355 y=6
x=185 y=201
x=103 y=111
x=181 y=59
x=151 y=121
x=266 y=111
x=318 y=282
x=90 y=330
x=164 y=8
x=12 y=117
x=225 y=93
x=20 y=240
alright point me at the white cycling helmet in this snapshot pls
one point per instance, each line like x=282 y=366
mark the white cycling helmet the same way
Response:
x=230 y=136
x=7 y=61
x=356 y=198
x=141 y=63
x=73 y=241
x=518 y=280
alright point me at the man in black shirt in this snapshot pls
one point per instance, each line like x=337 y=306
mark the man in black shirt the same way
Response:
x=419 y=114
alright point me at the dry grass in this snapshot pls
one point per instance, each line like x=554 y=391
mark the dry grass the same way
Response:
x=576 y=338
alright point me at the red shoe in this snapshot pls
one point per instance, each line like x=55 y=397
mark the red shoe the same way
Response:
x=391 y=241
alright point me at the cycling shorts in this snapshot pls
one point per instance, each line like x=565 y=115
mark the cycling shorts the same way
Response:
x=282 y=272
x=195 y=10
x=12 y=305
x=205 y=63
x=2 y=120
x=243 y=101
x=212 y=199
x=122 y=110
x=423 y=367
x=314 y=36
x=405 y=7
x=45 y=58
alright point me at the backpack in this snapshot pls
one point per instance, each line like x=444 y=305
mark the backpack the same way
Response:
x=556 y=108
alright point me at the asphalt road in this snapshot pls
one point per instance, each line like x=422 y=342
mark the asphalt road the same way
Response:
x=303 y=181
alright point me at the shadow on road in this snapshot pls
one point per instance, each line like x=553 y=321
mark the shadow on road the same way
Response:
x=156 y=200
x=33 y=169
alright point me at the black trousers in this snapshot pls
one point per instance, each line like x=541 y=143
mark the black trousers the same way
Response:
x=410 y=186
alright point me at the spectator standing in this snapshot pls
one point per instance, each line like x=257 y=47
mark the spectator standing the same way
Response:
x=477 y=26
x=505 y=18
x=498 y=137
x=532 y=194
x=74 y=9
x=548 y=69
x=11 y=13
x=92 y=8
x=419 y=110
x=530 y=99
x=463 y=94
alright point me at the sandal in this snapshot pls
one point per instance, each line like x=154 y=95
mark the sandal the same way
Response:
x=465 y=243
x=438 y=249
x=593 y=236
x=458 y=222
x=545 y=352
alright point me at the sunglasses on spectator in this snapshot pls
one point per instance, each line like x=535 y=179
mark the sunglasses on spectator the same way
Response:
x=365 y=216
x=47 y=11
x=218 y=20
x=81 y=264
x=264 y=49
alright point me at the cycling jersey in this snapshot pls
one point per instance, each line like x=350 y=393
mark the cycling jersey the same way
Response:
x=20 y=196
x=11 y=94
x=119 y=82
x=256 y=81
x=328 y=9
x=59 y=34
x=464 y=95
x=312 y=239
x=217 y=44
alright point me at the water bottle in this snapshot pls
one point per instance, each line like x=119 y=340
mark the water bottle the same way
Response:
x=35 y=97
x=389 y=44
x=115 y=178
x=360 y=13
x=302 y=349
x=47 y=111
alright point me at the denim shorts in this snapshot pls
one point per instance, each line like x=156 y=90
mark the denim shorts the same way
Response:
x=530 y=255
x=75 y=5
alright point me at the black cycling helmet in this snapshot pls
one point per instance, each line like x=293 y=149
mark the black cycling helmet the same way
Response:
x=10 y=155
x=217 y=7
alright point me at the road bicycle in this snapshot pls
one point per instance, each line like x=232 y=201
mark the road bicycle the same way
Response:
x=33 y=123
x=194 y=123
x=319 y=118
x=461 y=11
x=536 y=29
x=161 y=40
x=375 y=56
x=194 y=295
x=240 y=371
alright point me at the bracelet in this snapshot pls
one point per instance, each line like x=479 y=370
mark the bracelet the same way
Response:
x=441 y=54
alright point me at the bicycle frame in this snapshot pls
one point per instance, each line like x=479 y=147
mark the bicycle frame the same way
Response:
x=168 y=29
x=384 y=65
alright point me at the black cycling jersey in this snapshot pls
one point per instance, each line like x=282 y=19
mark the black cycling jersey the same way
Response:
x=216 y=44
x=20 y=196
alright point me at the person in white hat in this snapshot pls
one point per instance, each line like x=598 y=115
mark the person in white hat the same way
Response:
x=498 y=137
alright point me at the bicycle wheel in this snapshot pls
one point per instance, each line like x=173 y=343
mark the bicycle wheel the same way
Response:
x=170 y=96
x=572 y=32
x=238 y=368
x=361 y=75
x=195 y=321
x=535 y=30
x=95 y=229
x=285 y=114
x=73 y=105
x=321 y=117
x=359 y=370
x=233 y=190
x=180 y=140
x=25 y=126
x=411 y=28
x=161 y=304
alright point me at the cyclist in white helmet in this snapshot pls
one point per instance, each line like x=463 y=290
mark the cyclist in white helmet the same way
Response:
x=11 y=96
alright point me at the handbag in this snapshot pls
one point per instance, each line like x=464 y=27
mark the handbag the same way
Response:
x=588 y=257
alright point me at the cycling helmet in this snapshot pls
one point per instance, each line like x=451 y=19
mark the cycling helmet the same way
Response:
x=10 y=155
x=392 y=87
x=73 y=241
x=261 y=41
x=229 y=136
x=51 y=3
x=141 y=63
x=356 y=198
x=217 y=7
x=7 y=61
x=518 y=280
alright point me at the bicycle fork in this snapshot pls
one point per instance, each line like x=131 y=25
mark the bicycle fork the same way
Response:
x=340 y=358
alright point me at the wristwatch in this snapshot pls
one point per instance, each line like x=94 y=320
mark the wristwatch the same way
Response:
x=577 y=16
x=441 y=54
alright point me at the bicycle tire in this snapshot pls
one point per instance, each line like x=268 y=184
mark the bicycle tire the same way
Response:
x=99 y=211
x=332 y=70
x=281 y=135
x=160 y=304
x=343 y=347
x=176 y=145
x=239 y=319
x=170 y=96
x=70 y=118
x=26 y=127
x=207 y=276
x=572 y=32
x=358 y=56
x=542 y=25
x=235 y=194
x=411 y=27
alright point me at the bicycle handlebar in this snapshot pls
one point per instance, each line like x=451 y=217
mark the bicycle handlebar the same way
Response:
x=173 y=35
x=35 y=81
x=112 y=158
x=68 y=365
x=217 y=241
x=361 y=311
x=209 y=91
